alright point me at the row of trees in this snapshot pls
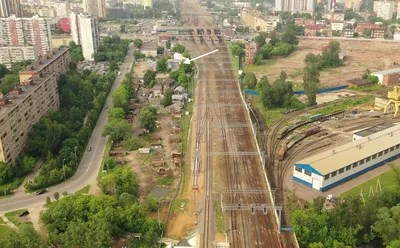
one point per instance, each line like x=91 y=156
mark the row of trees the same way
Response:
x=10 y=78
x=351 y=222
x=92 y=221
x=315 y=63
x=61 y=137
x=112 y=48
x=131 y=11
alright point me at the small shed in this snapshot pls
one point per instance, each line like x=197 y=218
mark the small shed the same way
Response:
x=158 y=90
x=175 y=130
x=175 y=139
x=156 y=146
x=144 y=150
x=177 y=115
x=155 y=138
x=176 y=154
x=116 y=153
x=358 y=82
x=177 y=161
x=157 y=161
x=179 y=90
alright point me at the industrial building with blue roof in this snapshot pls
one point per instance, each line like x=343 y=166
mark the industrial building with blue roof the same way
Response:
x=328 y=169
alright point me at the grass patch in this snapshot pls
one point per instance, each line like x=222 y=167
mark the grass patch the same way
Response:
x=4 y=229
x=263 y=67
x=387 y=180
x=344 y=105
x=2 y=222
x=269 y=115
x=6 y=190
x=105 y=156
x=296 y=73
x=180 y=205
x=13 y=216
x=166 y=181
x=84 y=190
x=298 y=86
x=368 y=88
x=220 y=217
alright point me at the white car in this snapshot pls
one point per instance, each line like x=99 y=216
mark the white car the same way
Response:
x=119 y=73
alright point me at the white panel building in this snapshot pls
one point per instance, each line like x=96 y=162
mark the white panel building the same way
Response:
x=384 y=9
x=12 y=54
x=85 y=32
x=334 y=167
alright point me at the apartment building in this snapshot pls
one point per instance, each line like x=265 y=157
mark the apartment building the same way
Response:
x=376 y=30
x=95 y=7
x=384 y=9
x=259 y=22
x=12 y=54
x=353 y=4
x=21 y=109
x=251 y=51
x=56 y=61
x=85 y=32
x=10 y=7
x=17 y=31
x=295 y=5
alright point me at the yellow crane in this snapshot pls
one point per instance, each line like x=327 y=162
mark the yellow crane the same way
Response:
x=393 y=99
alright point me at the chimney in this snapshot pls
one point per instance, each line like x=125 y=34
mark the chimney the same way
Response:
x=16 y=91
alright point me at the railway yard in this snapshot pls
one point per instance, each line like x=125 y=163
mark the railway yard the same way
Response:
x=240 y=170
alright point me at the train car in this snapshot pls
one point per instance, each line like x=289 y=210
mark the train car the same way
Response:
x=311 y=131
x=282 y=152
x=282 y=133
x=314 y=117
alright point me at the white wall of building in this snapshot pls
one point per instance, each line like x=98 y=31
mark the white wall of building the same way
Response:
x=384 y=9
x=337 y=26
x=85 y=32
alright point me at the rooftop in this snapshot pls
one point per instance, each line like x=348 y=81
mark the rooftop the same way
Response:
x=27 y=89
x=390 y=71
x=152 y=45
x=332 y=160
x=359 y=81
x=371 y=130
x=44 y=61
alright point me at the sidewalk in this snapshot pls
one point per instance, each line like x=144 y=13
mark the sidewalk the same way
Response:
x=21 y=189
x=9 y=223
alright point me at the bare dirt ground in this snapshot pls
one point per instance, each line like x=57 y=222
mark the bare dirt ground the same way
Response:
x=359 y=57
x=141 y=68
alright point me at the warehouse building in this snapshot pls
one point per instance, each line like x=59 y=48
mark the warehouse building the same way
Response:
x=334 y=167
x=371 y=130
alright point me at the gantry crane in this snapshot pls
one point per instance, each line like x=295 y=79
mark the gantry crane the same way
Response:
x=393 y=99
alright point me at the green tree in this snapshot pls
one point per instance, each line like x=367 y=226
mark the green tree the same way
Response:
x=5 y=173
x=250 y=80
x=116 y=113
x=48 y=200
x=138 y=43
x=151 y=204
x=149 y=78
x=109 y=164
x=118 y=129
x=167 y=99
x=311 y=83
x=132 y=143
x=3 y=70
x=178 y=48
x=289 y=36
x=26 y=237
x=160 y=50
x=263 y=83
x=162 y=65
x=260 y=39
x=119 y=180
x=113 y=65
x=120 y=97
x=387 y=225
x=168 y=44
x=56 y=195
x=76 y=51
x=373 y=79
x=148 y=118
x=9 y=82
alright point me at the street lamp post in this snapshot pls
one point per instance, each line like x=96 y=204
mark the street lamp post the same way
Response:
x=64 y=168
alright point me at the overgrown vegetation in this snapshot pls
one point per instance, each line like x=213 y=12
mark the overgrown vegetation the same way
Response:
x=60 y=137
x=351 y=223
x=10 y=78
x=112 y=48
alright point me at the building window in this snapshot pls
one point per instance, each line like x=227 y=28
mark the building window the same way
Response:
x=298 y=169
x=348 y=167
x=307 y=172
x=391 y=149
x=326 y=177
x=374 y=156
x=341 y=171
x=333 y=174
x=380 y=154
x=397 y=146
x=386 y=151
x=361 y=161
x=368 y=159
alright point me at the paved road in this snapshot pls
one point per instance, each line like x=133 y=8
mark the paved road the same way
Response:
x=90 y=163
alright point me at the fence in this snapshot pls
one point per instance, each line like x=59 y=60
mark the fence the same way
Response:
x=324 y=90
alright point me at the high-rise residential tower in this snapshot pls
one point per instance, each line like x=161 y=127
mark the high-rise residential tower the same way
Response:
x=85 y=32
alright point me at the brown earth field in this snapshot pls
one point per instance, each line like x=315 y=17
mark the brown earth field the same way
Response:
x=359 y=57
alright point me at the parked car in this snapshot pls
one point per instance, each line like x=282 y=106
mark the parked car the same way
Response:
x=106 y=107
x=41 y=192
x=24 y=213
x=89 y=148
